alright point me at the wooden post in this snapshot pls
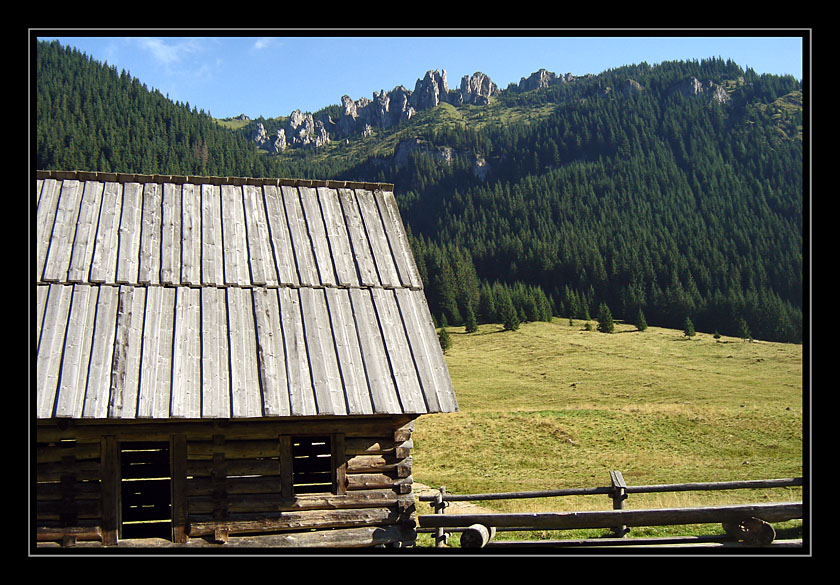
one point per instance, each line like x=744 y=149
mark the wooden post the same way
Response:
x=218 y=477
x=284 y=446
x=68 y=515
x=110 y=464
x=339 y=458
x=178 y=466
x=440 y=506
x=618 y=495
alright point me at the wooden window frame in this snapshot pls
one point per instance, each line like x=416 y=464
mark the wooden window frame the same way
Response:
x=338 y=464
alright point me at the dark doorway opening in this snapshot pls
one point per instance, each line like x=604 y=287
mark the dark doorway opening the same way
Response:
x=146 y=503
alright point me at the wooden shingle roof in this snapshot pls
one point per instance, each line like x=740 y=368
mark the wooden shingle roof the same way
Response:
x=204 y=297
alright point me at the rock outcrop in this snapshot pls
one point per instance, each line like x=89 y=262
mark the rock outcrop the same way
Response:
x=385 y=110
x=477 y=90
x=541 y=79
x=443 y=155
x=430 y=91
x=693 y=87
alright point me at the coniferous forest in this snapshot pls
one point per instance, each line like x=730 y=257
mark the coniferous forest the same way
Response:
x=652 y=204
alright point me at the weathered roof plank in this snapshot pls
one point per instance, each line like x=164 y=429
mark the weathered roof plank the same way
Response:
x=125 y=368
x=212 y=260
x=149 y=263
x=104 y=263
x=85 y=236
x=128 y=256
x=358 y=238
x=245 y=383
x=77 y=346
x=301 y=395
x=99 y=374
x=301 y=243
x=318 y=235
x=263 y=271
x=342 y=253
x=378 y=240
x=51 y=347
x=398 y=352
x=189 y=297
x=349 y=351
x=170 y=247
x=383 y=393
x=191 y=233
x=280 y=237
x=235 y=246
x=186 y=354
x=44 y=221
x=63 y=232
x=271 y=353
x=214 y=363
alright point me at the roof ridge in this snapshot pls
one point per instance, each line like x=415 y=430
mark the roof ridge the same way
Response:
x=216 y=180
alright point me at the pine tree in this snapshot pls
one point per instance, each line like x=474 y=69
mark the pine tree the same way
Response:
x=487 y=304
x=507 y=311
x=641 y=323
x=605 y=319
x=443 y=335
x=744 y=330
x=470 y=324
x=688 y=328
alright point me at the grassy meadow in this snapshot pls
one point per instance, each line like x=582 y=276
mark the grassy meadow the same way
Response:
x=553 y=406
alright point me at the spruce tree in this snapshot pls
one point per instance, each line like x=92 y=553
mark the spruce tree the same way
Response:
x=443 y=335
x=743 y=329
x=688 y=328
x=470 y=324
x=605 y=319
x=641 y=323
x=507 y=312
x=486 y=304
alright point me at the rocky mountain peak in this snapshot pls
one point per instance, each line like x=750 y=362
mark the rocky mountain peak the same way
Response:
x=384 y=110
x=477 y=89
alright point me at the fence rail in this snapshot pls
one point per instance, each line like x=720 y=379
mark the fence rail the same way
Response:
x=749 y=524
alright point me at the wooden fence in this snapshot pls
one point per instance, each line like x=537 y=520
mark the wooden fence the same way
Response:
x=742 y=524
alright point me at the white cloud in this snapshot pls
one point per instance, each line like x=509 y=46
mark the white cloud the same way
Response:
x=263 y=43
x=171 y=52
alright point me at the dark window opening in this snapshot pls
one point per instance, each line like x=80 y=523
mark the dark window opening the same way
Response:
x=146 y=503
x=312 y=468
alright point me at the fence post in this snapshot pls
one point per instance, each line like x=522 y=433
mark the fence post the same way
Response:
x=618 y=495
x=440 y=506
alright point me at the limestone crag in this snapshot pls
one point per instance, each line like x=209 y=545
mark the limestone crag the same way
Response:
x=385 y=110
x=477 y=90
x=542 y=79
x=693 y=87
x=430 y=91
x=444 y=155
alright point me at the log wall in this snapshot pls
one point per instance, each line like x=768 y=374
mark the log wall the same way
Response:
x=232 y=482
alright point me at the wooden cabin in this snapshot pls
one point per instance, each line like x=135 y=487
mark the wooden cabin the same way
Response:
x=227 y=361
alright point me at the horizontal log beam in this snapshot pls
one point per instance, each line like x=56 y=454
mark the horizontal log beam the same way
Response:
x=366 y=536
x=45 y=534
x=203 y=430
x=715 y=485
x=638 y=489
x=301 y=520
x=610 y=518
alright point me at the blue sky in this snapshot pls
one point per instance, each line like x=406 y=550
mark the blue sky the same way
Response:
x=227 y=75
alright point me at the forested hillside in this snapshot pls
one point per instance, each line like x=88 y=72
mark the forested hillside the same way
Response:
x=622 y=189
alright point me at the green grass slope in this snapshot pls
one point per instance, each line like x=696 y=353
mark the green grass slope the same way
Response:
x=554 y=406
